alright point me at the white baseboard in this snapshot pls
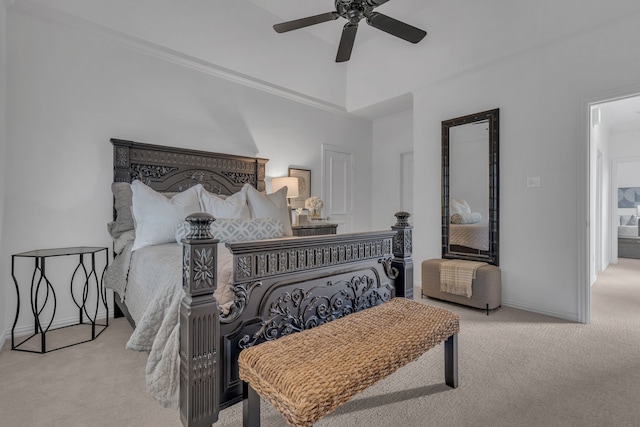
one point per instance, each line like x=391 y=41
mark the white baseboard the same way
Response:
x=573 y=317
x=417 y=290
x=24 y=330
x=3 y=338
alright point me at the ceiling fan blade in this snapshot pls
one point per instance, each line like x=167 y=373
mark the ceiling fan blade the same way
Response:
x=305 y=22
x=346 y=41
x=376 y=3
x=395 y=27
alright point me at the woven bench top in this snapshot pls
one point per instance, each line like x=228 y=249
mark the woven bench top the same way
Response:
x=308 y=374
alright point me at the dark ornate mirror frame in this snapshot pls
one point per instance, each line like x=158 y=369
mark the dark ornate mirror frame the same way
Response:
x=492 y=255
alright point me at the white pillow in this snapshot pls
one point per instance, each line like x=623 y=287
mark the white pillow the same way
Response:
x=237 y=229
x=455 y=207
x=459 y=206
x=155 y=215
x=234 y=206
x=272 y=205
x=466 y=218
x=624 y=219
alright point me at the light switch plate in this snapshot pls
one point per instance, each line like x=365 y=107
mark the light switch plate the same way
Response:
x=533 y=181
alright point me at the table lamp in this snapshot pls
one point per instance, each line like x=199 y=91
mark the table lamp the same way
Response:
x=286 y=181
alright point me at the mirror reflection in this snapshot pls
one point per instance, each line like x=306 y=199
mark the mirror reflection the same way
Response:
x=469 y=188
x=470 y=177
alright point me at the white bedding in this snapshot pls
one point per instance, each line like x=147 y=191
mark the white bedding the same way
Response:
x=470 y=235
x=150 y=282
x=628 y=230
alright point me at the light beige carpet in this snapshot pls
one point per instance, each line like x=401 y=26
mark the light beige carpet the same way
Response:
x=516 y=369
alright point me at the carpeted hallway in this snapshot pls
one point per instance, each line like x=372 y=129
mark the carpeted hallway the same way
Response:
x=516 y=369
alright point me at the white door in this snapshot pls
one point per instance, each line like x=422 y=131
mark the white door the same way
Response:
x=337 y=175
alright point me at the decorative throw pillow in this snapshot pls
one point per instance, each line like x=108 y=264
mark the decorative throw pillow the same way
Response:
x=122 y=203
x=234 y=206
x=156 y=215
x=624 y=219
x=272 y=205
x=237 y=229
x=466 y=218
x=633 y=220
x=459 y=206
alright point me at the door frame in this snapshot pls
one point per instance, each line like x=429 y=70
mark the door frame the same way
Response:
x=584 y=221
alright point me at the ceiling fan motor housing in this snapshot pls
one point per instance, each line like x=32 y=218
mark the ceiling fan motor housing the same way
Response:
x=355 y=10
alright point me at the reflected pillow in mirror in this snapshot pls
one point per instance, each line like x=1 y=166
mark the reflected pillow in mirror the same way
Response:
x=459 y=206
x=466 y=218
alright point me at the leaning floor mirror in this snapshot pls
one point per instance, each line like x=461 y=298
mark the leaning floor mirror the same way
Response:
x=470 y=177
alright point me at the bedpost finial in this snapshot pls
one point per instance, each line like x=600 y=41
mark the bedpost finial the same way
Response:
x=199 y=226
x=402 y=218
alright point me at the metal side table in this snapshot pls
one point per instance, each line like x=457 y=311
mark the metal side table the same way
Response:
x=44 y=300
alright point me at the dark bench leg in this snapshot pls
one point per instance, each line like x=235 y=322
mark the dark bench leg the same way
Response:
x=451 y=361
x=250 y=406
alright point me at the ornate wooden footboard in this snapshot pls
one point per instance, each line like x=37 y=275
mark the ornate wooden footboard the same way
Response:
x=282 y=286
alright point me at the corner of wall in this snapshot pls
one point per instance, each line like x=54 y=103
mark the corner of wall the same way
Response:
x=3 y=145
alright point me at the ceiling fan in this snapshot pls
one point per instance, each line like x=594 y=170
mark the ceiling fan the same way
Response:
x=354 y=11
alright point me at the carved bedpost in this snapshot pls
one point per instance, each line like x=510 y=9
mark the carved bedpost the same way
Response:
x=402 y=247
x=199 y=326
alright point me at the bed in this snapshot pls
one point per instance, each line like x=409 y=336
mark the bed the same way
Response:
x=469 y=238
x=273 y=287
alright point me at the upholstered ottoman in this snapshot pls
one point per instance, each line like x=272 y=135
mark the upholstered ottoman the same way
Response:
x=486 y=286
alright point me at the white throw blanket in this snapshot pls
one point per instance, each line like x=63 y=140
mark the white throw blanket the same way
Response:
x=153 y=295
x=456 y=276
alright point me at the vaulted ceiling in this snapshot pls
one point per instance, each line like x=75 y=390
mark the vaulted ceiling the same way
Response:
x=236 y=36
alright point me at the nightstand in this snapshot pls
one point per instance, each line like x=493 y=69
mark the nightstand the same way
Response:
x=87 y=292
x=314 y=229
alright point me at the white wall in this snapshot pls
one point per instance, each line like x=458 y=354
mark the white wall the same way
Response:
x=70 y=91
x=629 y=174
x=392 y=136
x=4 y=282
x=542 y=95
x=232 y=35
x=465 y=37
x=625 y=155
x=625 y=144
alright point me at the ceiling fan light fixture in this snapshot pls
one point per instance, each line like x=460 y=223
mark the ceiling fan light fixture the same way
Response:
x=354 y=11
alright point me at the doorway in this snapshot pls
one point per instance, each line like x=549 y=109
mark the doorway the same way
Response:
x=337 y=186
x=614 y=142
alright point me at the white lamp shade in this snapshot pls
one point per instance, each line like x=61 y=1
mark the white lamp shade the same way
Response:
x=286 y=181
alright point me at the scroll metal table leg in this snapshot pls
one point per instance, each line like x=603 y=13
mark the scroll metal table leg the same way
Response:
x=37 y=307
x=103 y=290
x=15 y=320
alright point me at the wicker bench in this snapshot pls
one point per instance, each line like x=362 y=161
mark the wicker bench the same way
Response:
x=308 y=374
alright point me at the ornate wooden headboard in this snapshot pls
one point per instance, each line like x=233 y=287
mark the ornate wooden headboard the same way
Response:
x=170 y=169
